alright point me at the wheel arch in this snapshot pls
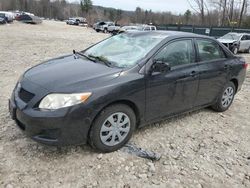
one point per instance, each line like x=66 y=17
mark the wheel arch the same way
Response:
x=235 y=82
x=129 y=103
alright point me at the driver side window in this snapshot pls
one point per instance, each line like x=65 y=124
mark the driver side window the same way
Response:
x=177 y=53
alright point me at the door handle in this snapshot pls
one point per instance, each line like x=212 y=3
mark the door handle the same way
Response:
x=193 y=73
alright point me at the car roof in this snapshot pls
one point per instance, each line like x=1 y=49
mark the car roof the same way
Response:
x=166 y=34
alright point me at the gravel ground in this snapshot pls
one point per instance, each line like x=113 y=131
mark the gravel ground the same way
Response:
x=200 y=149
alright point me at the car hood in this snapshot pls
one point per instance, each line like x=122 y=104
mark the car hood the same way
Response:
x=70 y=74
x=227 y=40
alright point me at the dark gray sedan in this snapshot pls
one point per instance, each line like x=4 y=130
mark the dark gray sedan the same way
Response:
x=102 y=94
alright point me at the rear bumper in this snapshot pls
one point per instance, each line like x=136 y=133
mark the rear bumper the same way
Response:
x=61 y=128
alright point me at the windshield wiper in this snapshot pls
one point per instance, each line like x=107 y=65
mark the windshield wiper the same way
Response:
x=86 y=56
x=101 y=59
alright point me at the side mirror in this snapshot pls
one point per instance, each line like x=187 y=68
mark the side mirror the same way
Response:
x=160 y=66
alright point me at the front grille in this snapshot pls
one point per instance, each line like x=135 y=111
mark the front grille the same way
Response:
x=25 y=95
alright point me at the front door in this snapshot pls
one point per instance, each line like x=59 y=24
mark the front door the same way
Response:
x=175 y=90
x=244 y=43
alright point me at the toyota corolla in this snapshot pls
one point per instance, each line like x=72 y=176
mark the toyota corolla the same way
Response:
x=102 y=94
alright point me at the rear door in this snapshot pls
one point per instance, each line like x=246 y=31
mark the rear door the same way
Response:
x=173 y=91
x=214 y=70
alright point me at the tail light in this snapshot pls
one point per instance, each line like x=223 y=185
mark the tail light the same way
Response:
x=245 y=65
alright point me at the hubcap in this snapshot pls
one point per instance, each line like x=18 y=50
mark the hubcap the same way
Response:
x=235 y=51
x=115 y=129
x=227 y=97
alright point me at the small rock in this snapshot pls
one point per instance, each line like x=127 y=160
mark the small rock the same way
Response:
x=151 y=167
x=226 y=143
x=165 y=163
x=202 y=144
x=143 y=176
x=99 y=156
x=229 y=173
x=172 y=146
x=127 y=168
x=95 y=183
x=196 y=168
x=126 y=186
x=247 y=177
x=9 y=186
x=156 y=182
x=176 y=156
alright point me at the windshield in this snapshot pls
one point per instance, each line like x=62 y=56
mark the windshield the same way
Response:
x=124 y=50
x=231 y=36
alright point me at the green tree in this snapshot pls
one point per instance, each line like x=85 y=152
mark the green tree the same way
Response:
x=187 y=16
x=86 y=6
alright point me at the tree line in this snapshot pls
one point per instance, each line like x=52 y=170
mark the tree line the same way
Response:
x=202 y=12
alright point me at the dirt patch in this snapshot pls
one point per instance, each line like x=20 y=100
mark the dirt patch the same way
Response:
x=201 y=149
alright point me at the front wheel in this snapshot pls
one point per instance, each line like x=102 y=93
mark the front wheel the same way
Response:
x=112 y=128
x=225 y=98
x=235 y=51
x=105 y=30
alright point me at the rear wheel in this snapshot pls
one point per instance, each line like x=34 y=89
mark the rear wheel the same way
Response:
x=112 y=128
x=225 y=98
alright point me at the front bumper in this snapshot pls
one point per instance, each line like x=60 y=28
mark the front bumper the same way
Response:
x=68 y=126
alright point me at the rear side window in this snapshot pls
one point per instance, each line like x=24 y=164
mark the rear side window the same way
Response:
x=209 y=50
x=177 y=53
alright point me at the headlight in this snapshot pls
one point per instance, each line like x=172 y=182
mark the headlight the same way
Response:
x=59 y=100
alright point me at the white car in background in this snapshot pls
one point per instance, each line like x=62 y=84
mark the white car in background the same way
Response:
x=137 y=28
x=236 y=42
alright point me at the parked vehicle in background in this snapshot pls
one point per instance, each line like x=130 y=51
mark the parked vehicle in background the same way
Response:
x=2 y=20
x=25 y=18
x=77 y=21
x=148 y=28
x=137 y=28
x=114 y=29
x=103 y=26
x=122 y=83
x=9 y=16
x=73 y=21
x=236 y=42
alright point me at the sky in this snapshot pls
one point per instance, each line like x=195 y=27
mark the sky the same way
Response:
x=175 y=6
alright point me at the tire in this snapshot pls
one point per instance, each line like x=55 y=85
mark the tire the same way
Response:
x=103 y=134
x=97 y=30
x=235 y=51
x=224 y=101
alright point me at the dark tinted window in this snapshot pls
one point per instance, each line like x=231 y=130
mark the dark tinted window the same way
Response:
x=248 y=37
x=209 y=50
x=244 y=37
x=177 y=53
